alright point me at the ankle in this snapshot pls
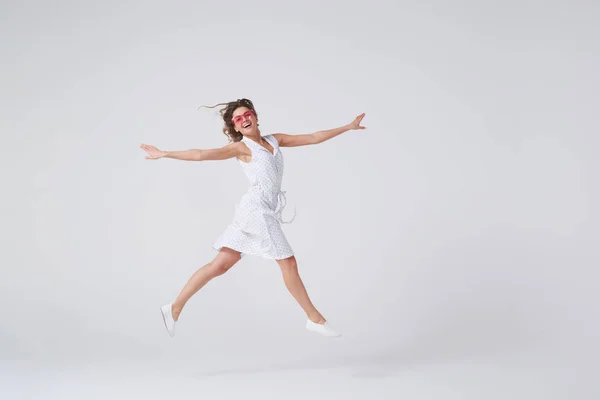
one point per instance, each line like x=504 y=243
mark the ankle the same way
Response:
x=317 y=318
x=175 y=311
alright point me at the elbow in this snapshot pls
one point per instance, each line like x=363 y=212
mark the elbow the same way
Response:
x=198 y=155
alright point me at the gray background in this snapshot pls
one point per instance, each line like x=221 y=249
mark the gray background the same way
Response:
x=461 y=226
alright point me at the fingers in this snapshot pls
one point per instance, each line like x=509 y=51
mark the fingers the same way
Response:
x=147 y=147
x=151 y=150
x=358 y=120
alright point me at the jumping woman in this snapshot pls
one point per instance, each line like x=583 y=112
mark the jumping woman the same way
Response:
x=256 y=226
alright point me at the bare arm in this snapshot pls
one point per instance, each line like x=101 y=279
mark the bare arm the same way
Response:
x=223 y=153
x=286 y=140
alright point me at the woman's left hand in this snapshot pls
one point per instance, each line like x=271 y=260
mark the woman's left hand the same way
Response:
x=356 y=123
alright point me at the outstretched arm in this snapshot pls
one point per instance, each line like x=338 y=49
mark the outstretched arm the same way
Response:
x=286 y=140
x=229 y=151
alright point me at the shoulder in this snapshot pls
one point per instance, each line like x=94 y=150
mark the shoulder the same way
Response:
x=277 y=138
x=236 y=149
x=242 y=151
x=287 y=140
x=240 y=147
x=222 y=153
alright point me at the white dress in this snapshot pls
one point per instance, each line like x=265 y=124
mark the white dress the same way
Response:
x=256 y=227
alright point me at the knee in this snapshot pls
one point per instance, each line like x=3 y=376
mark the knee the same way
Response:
x=289 y=264
x=219 y=268
x=223 y=261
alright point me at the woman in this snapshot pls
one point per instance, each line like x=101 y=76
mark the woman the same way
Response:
x=256 y=227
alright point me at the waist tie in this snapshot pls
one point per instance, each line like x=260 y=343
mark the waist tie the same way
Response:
x=281 y=203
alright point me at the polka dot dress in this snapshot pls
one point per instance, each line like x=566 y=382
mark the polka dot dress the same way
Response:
x=256 y=227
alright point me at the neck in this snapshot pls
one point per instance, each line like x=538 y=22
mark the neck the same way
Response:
x=256 y=136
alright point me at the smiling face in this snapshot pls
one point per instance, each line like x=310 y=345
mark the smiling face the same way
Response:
x=244 y=120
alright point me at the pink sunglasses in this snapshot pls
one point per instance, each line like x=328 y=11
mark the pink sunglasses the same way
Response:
x=244 y=116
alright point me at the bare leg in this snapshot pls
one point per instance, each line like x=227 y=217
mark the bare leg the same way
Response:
x=221 y=264
x=293 y=282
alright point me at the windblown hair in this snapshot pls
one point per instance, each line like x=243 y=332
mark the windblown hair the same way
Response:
x=227 y=114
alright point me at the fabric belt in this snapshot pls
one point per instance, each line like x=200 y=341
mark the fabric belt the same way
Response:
x=281 y=203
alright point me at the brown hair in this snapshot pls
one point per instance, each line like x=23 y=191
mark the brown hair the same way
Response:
x=227 y=114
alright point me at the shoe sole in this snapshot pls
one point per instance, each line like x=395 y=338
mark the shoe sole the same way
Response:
x=165 y=321
x=320 y=334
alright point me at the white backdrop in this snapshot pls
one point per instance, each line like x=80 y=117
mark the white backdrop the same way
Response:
x=462 y=223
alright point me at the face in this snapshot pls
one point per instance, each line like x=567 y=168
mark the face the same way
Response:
x=244 y=120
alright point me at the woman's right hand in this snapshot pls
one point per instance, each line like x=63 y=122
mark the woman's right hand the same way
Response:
x=153 y=152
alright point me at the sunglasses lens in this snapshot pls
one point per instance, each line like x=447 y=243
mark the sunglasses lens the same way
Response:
x=240 y=118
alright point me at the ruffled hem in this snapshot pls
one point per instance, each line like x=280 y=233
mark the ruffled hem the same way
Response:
x=243 y=252
x=247 y=246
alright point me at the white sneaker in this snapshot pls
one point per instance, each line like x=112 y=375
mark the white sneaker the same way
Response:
x=167 y=315
x=324 y=329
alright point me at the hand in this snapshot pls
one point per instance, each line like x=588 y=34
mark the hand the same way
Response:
x=153 y=152
x=356 y=123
